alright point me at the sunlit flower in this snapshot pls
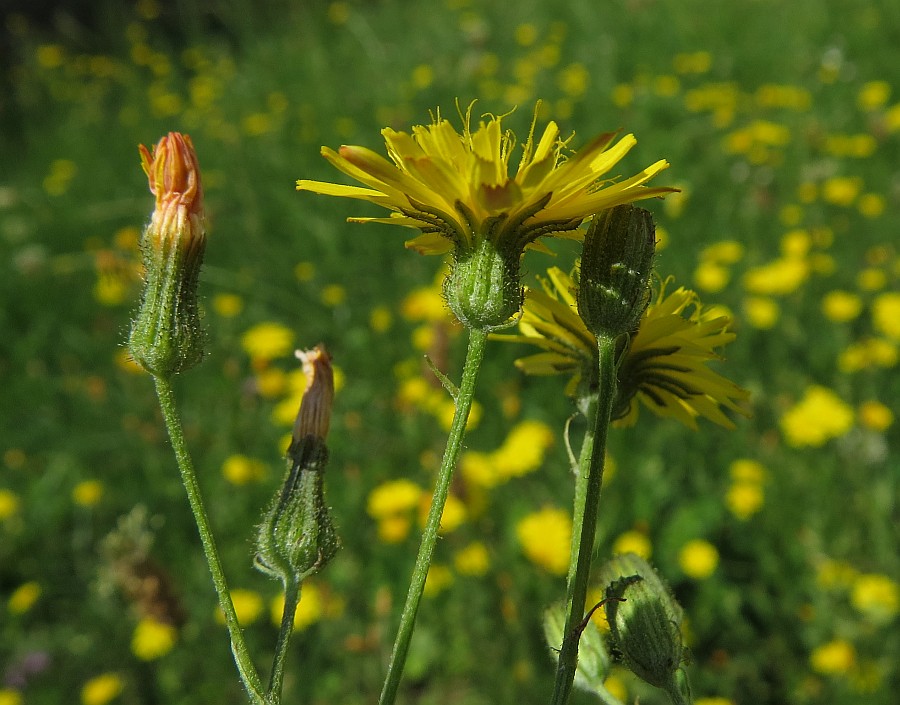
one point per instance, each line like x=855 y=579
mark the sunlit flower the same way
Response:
x=875 y=415
x=439 y=578
x=665 y=364
x=393 y=497
x=472 y=560
x=248 y=605
x=268 y=340
x=546 y=538
x=633 y=541
x=744 y=499
x=841 y=306
x=876 y=596
x=456 y=188
x=819 y=416
x=310 y=609
x=24 y=597
x=152 y=640
x=9 y=503
x=834 y=658
x=87 y=493
x=101 y=689
x=698 y=559
x=777 y=278
x=886 y=314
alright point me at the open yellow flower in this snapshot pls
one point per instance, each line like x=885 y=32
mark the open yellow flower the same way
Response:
x=456 y=188
x=664 y=365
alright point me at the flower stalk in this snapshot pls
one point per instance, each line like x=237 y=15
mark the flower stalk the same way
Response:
x=588 y=484
x=464 y=398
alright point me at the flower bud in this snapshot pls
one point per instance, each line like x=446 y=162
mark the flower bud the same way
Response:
x=483 y=288
x=614 y=290
x=166 y=336
x=297 y=536
x=644 y=620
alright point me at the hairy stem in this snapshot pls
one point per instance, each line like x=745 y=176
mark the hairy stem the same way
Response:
x=587 y=502
x=474 y=356
x=246 y=669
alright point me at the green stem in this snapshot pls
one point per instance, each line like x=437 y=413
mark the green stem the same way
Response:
x=245 y=666
x=291 y=598
x=587 y=502
x=474 y=356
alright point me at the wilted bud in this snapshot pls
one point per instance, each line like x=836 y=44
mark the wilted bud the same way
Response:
x=614 y=288
x=166 y=336
x=644 y=620
x=297 y=536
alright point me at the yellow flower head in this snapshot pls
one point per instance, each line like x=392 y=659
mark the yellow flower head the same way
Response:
x=665 y=362
x=457 y=188
x=818 y=417
x=546 y=538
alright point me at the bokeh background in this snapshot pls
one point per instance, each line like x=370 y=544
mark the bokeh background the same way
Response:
x=782 y=124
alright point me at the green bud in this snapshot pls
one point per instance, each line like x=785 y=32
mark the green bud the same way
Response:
x=483 y=288
x=614 y=290
x=297 y=536
x=644 y=620
x=166 y=336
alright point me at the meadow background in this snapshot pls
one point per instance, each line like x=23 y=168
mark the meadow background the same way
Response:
x=782 y=124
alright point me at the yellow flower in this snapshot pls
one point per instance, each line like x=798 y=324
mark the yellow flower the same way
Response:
x=248 y=605
x=24 y=597
x=834 y=658
x=633 y=542
x=439 y=578
x=841 y=306
x=819 y=416
x=777 y=278
x=698 y=559
x=101 y=689
x=152 y=640
x=746 y=470
x=8 y=696
x=87 y=493
x=523 y=450
x=713 y=701
x=546 y=538
x=393 y=497
x=664 y=367
x=241 y=470
x=9 y=503
x=876 y=596
x=472 y=560
x=267 y=341
x=744 y=499
x=456 y=188
x=310 y=609
x=875 y=415
x=886 y=314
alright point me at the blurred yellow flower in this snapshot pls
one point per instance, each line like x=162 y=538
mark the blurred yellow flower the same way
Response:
x=381 y=319
x=227 y=305
x=523 y=449
x=310 y=609
x=8 y=696
x=875 y=415
x=713 y=701
x=841 y=190
x=871 y=279
x=24 y=597
x=886 y=314
x=472 y=560
x=698 y=559
x=546 y=538
x=871 y=205
x=866 y=353
x=777 y=278
x=876 y=596
x=711 y=277
x=834 y=658
x=87 y=493
x=152 y=640
x=393 y=528
x=744 y=499
x=102 y=689
x=248 y=604
x=333 y=295
x=747 y=470
x=9 y=503
x=425 y=304
x=241 y=470
x=267 y=341
x=439 y=578
x=723 y=252
x=453 y=516
x=818 y=417
x=633 y=542
x=456 y=188
x=841 y=306
x=832 y=574
x=873 y=95
x=393 y=497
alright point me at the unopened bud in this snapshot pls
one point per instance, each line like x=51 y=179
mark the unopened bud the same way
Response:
x=297 y=536
x=644 y=620
x=614 y=289
x=166 y=336
x=593 y=660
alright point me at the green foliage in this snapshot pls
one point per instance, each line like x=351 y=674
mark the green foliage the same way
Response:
x=777 y=138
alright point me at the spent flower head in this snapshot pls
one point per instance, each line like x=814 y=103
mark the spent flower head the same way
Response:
x=662 y=364
x=457 y=188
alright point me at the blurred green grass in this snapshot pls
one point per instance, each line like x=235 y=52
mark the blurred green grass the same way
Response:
x=259 y=90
